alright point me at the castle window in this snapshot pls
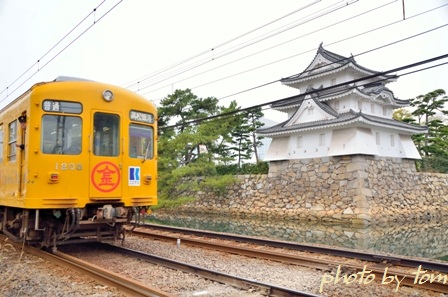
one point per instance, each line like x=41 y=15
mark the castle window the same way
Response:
x=322 y=139
x=299 y=141
x=392 y=140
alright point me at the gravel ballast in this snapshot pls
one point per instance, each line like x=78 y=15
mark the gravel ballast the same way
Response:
x=27 y=275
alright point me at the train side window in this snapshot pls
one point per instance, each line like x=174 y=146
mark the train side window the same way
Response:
x=141 y=141
x=106 y=134
x=61 y=135
x=1 y=143
x=12 y=140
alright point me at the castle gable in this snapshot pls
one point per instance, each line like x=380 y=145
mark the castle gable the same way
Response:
x=327 y=63
x=312 y=110
x=378 y=91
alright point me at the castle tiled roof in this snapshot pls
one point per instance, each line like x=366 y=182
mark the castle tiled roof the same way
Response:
x=369 y=91
x=338 y=63
x=343 y=119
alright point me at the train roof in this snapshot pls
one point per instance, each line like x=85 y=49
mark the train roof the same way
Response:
x=71 y=78
x=61 y=78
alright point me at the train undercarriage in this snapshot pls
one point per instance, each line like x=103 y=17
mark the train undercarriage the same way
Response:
x=52 y=227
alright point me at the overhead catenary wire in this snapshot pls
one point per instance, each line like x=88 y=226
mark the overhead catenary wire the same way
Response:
x=96 y=21
x=264 y=50
x=354 y=81
x=356 y=55
x=224 y=78
x=307 y=51
x=344 y=58
x=243 y=45
x=54 y=46
x=212 y=49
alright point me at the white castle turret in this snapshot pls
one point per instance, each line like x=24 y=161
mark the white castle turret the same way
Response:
x=339 y=113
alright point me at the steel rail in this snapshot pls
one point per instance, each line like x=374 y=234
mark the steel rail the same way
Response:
x=125 y=285
x=233 y=249
x=239 y=282
x=324 y=264
x=345 y=253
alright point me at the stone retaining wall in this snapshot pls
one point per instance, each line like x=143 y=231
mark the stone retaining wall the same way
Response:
x=351 y=189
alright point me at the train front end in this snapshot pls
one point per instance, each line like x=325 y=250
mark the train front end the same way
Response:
x=89 y=166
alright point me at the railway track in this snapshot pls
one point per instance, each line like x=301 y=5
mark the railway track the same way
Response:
x=125 y=285
x=263 y=288
x=379 y=265
x=134 y=288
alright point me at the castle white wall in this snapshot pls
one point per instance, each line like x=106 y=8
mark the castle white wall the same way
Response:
x=343 y=141
x=353 y=140
x=408 y=148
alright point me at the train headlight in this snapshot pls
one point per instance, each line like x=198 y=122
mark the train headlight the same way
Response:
x=147 y=179
x=53 y=177
x=108 y=95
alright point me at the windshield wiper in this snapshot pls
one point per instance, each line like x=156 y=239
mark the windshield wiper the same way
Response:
x=146 y=152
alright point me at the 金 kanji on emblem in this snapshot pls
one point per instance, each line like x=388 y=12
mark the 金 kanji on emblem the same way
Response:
x=105 y=176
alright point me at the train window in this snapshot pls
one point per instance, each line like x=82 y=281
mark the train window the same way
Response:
x=106 y=134
x=62 y=106
x=12 y=140
x=141 y=142
x=1 y=143
x=61 y=135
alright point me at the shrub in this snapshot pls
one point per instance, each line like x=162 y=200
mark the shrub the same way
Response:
x=248 y=168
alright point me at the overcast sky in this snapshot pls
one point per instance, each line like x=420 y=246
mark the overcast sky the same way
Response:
x=215 y=48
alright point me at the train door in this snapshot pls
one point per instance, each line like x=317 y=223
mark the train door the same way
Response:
x=105 y=155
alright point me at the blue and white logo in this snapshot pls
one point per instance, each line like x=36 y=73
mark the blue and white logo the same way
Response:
x=134 y=176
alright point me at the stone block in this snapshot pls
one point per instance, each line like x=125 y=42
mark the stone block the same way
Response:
x=354 y=167
x=323 y=168
x=317 y=207
x=366 y=192
x=359 y=211
x=348 y=211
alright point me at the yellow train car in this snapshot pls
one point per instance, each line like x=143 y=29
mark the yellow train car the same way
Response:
x=78 y=159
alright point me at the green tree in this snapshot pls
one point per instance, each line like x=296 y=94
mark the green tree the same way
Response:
x=188 y=146
x=245 y=141
x=403 y=114
x=254 y=115
x=176 y=111
x=241 y=145
x=222 y=127
x=427 y=110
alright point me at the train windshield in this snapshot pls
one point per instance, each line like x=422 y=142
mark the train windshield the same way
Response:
x=61 y=135
x=106 y=134
x=141 y=142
